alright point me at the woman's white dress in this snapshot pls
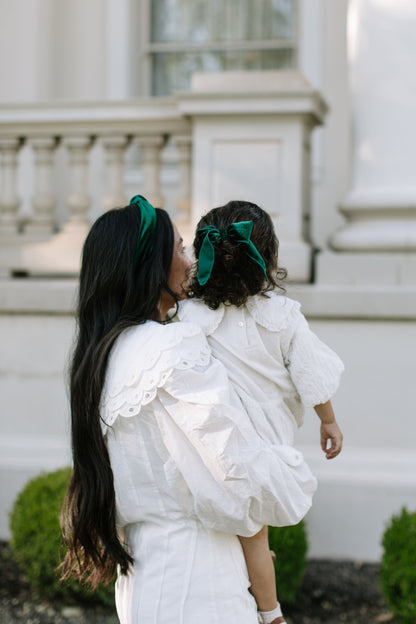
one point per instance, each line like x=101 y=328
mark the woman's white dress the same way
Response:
x=190 y=473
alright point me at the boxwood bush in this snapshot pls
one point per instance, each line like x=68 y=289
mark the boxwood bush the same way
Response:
x=398 y=566
x=37 y=543
x=290 y=546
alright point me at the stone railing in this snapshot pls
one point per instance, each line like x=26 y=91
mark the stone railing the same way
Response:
x=52 y=149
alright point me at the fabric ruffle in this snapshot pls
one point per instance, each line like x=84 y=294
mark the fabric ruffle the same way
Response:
x=142 y=360
x=195 y=309
x=272 y=311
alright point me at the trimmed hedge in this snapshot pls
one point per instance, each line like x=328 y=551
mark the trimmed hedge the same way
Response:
x=37 y=542
x=290 y=545
x=398 y=566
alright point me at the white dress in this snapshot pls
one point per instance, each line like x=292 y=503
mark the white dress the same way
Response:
x=276 y=364
x=190 y=474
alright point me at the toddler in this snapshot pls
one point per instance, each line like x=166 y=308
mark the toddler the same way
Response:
x=275 y=363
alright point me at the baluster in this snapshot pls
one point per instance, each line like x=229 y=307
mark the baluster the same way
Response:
x=183 y=197
x=43 y=201
x=78 y=200
x=115 y=148
x=9 y=200
x=150 y=151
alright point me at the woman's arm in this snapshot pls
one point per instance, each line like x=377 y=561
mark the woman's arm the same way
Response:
x=219 y=470
x=330 y=431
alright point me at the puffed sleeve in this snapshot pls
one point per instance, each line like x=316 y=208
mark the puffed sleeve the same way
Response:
x=315 y=369
x=219 y=469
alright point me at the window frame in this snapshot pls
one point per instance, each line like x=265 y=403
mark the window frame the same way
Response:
x=148 y=48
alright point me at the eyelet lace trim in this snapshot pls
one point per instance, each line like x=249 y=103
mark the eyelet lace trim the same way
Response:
x=275 y=312
x=142 y=362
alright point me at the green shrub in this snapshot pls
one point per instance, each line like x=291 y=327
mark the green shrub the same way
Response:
x=290 y=546
x=398 y=566
x=37 y=543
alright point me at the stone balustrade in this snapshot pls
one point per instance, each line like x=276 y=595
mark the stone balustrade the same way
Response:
x=36 y=241
x=243 y=134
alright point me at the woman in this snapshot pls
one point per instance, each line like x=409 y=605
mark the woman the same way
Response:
x=167 y=467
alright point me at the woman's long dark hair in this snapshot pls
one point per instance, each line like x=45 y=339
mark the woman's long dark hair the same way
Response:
x=235 y=277
x=114 y=293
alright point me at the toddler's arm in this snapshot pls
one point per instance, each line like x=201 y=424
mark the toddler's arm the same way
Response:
x=330 y=430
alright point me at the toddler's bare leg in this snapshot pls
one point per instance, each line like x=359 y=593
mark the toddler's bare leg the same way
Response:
x=260 y=569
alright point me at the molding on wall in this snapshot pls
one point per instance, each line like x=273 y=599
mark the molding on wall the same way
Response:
x=364 y=302
x=387 y=478
x=23 y=458
x=58 y=297
x=370 y=466
x=38 y=296
x=35 y=453
x=376 y=482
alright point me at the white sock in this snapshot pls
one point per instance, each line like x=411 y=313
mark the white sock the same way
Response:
x=269 y=616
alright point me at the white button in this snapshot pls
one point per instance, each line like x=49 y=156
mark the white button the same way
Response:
x=241 y=324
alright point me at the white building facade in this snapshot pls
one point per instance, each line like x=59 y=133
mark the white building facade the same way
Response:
x=306 y=107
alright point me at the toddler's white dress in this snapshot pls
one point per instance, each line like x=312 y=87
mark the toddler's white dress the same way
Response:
x=276 y=364
x=190 y=473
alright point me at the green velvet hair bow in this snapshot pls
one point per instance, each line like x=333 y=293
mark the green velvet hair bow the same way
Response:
x=239 y=232
x=148 y=220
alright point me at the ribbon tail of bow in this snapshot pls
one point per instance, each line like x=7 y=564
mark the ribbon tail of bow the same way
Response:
x=206 y=261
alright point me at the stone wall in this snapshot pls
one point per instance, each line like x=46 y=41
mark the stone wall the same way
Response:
x=358 y=491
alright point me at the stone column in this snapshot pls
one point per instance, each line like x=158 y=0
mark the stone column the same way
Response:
x=9 y=200
x=43 y=201
x=61 y=254
x=183 y=218
x=150 y=153
x=78 y=199
x=114 y=148
x=380 y=207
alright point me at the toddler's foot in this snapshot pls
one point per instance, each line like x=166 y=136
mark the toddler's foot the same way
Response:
x=273 y=617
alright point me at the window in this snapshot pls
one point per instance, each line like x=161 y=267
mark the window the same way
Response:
x=188 y=36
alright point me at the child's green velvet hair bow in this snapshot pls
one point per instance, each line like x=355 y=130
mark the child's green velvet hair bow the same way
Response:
x=240 y=232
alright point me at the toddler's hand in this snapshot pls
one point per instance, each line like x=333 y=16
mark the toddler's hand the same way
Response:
x=331 y=432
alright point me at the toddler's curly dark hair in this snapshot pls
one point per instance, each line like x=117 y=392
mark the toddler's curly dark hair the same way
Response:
x=235 y=276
